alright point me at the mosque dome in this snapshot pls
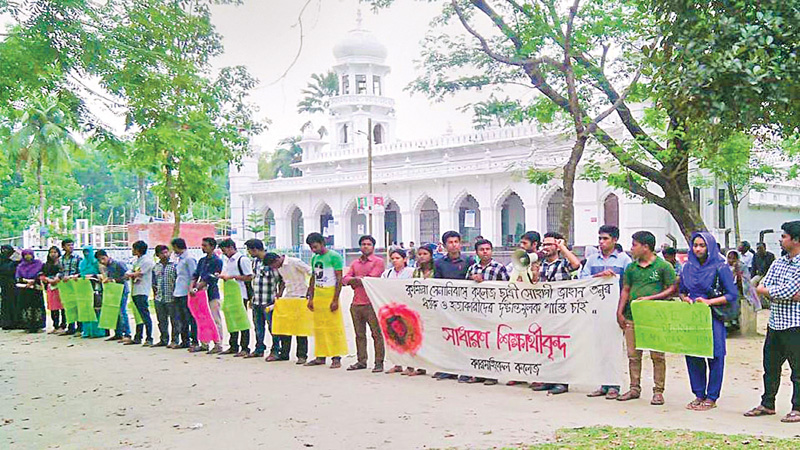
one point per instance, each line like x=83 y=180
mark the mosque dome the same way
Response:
x=360 y=43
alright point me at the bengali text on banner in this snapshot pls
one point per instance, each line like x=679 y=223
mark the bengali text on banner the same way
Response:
x=560 y=332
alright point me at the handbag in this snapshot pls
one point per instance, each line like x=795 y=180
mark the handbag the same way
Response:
x=727 y=312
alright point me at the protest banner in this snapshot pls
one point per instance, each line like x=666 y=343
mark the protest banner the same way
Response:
x=673 y=327
x=53 y=299
x=329 y=337
x=206 y=328
x=561 y=332
x=291 y=317
x=112 y=301
x=84 y=297
x=233 y=307
x=66 y=290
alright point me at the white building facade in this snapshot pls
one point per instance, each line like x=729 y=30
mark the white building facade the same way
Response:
x=471 y=183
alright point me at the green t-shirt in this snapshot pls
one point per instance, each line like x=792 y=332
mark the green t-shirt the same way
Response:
x=644 y=281
x=325 y=267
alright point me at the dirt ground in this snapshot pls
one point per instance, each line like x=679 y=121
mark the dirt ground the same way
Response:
x=71 y=393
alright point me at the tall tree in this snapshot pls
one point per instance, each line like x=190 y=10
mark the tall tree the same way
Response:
x=742 y=47
x=494 y=112
x=318 y=92
x=42 y=141
x=188 y=126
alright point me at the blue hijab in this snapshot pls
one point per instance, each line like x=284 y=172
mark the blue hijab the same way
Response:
x=697 y=277
x=89 y=264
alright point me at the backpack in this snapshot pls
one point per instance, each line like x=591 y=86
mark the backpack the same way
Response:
x=247 y=284
x=727 y=312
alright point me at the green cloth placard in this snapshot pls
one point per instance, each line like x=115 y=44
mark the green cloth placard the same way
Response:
x=673 y=327
x=233 y=307
x=112 y=299
x=136 y=316
x=66 y=291
x=84 y=295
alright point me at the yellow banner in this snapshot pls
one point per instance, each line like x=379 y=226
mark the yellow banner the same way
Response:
x=329 y=337
x=292 y=317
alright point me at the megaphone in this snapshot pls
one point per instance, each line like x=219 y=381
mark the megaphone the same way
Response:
x=521 y=261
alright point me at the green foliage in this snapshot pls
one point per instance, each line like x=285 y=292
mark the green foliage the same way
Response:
x=280 y=160
x=317 y=94
x=255 y=223
x=497 y=113
x=538 y=176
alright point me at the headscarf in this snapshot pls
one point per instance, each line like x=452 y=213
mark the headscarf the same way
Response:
x=28 y=269
x=89 y=264
x=8 y=267
x=700 y=277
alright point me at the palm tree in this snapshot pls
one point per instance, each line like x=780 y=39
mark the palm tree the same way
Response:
x=318 y=93
x=279 y=161
x=42 y=140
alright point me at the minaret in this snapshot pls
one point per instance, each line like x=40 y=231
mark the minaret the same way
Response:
x=362 y=70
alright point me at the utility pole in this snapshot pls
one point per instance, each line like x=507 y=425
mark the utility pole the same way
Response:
x=369 y=175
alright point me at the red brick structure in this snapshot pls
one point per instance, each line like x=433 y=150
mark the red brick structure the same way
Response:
x=155 y=233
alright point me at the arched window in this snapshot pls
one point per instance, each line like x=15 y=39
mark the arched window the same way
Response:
x=377 y=134
x=343 y=137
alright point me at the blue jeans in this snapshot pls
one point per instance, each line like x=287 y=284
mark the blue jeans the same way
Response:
x=123 y=323
x=262 y=319
x=141 y=304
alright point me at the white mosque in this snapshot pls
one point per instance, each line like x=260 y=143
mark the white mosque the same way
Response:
x=466 y=182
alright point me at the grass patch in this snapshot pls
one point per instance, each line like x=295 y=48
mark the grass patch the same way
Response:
x=648 y=438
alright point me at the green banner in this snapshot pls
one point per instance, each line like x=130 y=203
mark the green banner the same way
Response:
x=112 y=299
x=66 y=291
x=673 y=327
x=136 y=316
x=236 y=318
x=84 y=295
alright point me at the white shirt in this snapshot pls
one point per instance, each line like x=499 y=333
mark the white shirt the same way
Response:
x=391 y=273
x=231 y=266
x=747 y=260
x=294 y=273
x=143 y=264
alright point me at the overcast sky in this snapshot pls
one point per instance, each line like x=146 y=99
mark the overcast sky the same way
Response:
x=263 y=35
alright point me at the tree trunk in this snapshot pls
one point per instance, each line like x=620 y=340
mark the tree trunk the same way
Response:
x=568 y=213
x=176 y=229
x=735 y=207
x=142 y=195
x=42 y=200
x=678 y=202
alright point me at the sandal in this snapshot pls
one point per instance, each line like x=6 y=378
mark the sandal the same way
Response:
x=418 y=372
x=612 y=394
x=356 y=366
x=694 y=404
x=395 y=369
x=315 y=362
x=706 y=405
x=408 y=372
x=658 y=400
x=336 y=364
x=792 y=417
x=599 y=392
x=630 y=395
x=759 y=411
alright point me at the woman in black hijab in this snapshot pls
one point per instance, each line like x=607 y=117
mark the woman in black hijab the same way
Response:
x=9 y=310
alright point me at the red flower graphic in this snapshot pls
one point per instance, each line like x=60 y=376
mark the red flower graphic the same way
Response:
x=402 y=327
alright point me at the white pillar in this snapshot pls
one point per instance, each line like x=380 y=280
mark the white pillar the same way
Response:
x=446 y=221
x=490 y=225
x=410 y=230
x=283 y=232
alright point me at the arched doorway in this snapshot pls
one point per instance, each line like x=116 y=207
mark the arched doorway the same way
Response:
x=611 y=210
x=512 y=220
x=326 y=223
x=377 y=134
x=555 y=206
x=429 y=221
x=297 y=227
x=392 y=223
x=358 y=226
x=469 y=219
x=269 y=228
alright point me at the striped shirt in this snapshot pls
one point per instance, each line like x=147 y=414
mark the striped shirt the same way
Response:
x=494 y=271
x=69 y=265
x=164 y=276
x=265 y=284
x=294 y=275
x=783 y=282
